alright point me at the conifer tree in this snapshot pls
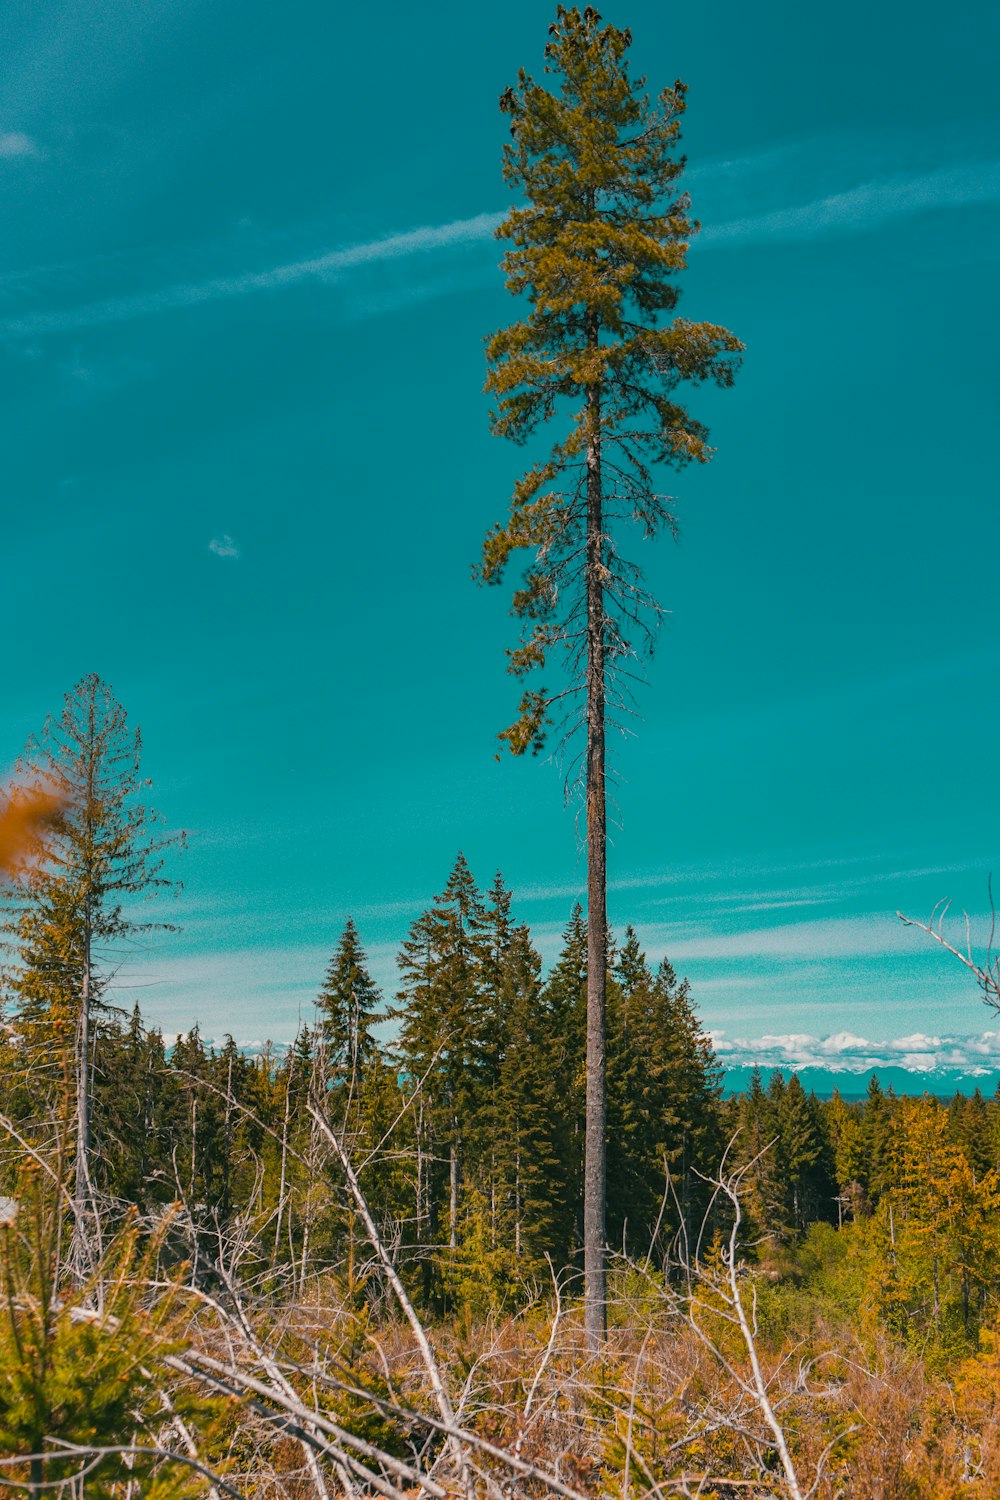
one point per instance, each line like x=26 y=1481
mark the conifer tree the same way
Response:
x=159 y=1106
x=386 y=1145
x=566 y=1000
x=566 y=988
x=757 y=1148
x=663 y=1094
x=684 y=1092
x=628 y=1003
x=804 y=1157
x=69 y=915
x=595 y=249
x=229 y=1075
x=349 y=1005
x=442 y=1039
x=120 y=1123
x=197 y=1127
x=496 y=937
x=877 y=1135
x=844 y=1128
x=968 y=1121
x=497 y=928
x=532 y=1116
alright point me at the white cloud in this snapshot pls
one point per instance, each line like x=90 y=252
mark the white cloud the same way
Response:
x=223 y=546
x=844 y=1041
x=844 y=1052
x=14 y=143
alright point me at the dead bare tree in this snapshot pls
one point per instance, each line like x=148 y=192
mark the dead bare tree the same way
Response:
x=985 y=969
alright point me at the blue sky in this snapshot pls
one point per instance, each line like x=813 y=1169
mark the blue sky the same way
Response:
x=245 y=274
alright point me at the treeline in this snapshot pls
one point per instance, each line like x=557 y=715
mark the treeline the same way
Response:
x=462 y=1103
x=466 y=1093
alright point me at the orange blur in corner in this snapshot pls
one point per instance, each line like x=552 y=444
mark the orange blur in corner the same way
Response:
x=22 y=821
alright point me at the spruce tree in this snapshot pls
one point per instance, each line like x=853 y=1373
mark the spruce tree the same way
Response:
x=595 y=249
x=566 y=999
x=496 y=937
x=878 y=1135
x=443 y=1044
x=843 y=1122
x=757 y=1144
x=349 y=1005
x=531 y=1116
x=160 y=1108
x=120 y=1125
x=197 y=1126
x=805 y=1158
x=497 y=928
x=664 y=1093
x=631 y=1176
x=685 y=1090
x=229 y=1076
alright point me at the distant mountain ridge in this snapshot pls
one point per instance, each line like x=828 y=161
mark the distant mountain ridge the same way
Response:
x=916 y=1063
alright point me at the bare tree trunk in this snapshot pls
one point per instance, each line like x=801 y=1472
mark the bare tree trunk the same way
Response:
x=594 y=1172
x=194 y=1146
x=81 y=1247
x=453 y=1188
x=759 y=1386
x=312 y=1177
x=441 y=1396
x=284 y=1172
x=517 y=1202
x=423 y=1201
x=419 y=1197
x=493 y=1201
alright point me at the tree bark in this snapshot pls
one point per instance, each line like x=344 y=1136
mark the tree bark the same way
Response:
x=82 y=1245
x=594 y=1172
x=284 y=1170
x=453 y=1186
x=81 y=1258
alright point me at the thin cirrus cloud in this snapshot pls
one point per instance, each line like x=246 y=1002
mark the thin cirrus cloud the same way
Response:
x=866 y=206
x=859 y=208
x=411 y=243
x=269 y=986
x=829 y=937
x=866 y=935
x=224 y=546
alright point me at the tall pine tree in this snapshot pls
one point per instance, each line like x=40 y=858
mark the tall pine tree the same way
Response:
x=595 y=249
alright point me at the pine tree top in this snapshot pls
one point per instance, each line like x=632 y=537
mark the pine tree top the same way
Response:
x=594 y=247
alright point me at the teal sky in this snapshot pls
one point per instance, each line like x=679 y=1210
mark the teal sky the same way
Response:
x=246 y=269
